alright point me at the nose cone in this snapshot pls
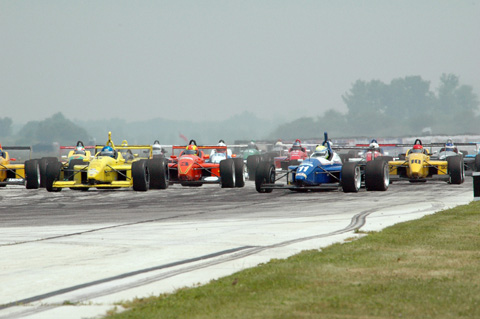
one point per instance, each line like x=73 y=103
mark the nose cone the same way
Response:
x=416 y=166
x=303 y=174
x=185 y=165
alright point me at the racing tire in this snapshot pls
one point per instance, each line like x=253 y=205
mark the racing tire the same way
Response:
x=477 y=163
x=32 y=174
x=158 y=168
x=455 y=169
x=265 y=175
x=239 y=176
x=351 y=177
x=344 y=157
x=52 y=173
x=42 y=164
x=377 y=175
x=252 y=164
x=227 y=173
x=140 y=176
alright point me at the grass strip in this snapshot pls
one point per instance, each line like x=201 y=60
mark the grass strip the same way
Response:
x=426 y=268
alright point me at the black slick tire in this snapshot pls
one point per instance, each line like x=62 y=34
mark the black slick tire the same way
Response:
x=227 y=173
x=252 y=163
x=265 y=175
x=140 y=176
x=42 y=164
x=32 y=174
x=52 y=174
x=351 y=177
x=455 y=169
x=158 y=168
x=377 y=176
x=239 y=175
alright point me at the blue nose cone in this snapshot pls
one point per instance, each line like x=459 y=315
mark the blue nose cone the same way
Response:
x=304 y=173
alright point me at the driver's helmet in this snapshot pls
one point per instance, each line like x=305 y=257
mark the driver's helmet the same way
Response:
x=373 y=146
x=191 y=149
x=79 y=150
x=221 y=150
x=297 y=145
x=107 y=151
x=156 y=149
x=417 y=148
x=252 y=145
x=449 y=146
x=320 y=151
x=1 y=153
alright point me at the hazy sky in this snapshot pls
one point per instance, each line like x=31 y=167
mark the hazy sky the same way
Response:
x=212 y=59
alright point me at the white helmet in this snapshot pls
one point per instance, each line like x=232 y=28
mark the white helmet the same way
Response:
x=374 y=145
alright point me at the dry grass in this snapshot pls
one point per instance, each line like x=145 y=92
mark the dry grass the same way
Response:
x=427 y=268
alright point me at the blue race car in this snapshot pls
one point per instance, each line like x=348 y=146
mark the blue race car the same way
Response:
x=324 y=170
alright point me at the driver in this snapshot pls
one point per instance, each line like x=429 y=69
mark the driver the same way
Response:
x=157 y=149
x=191 y=149
x=80 y=150
x=321 y=152
x=107 y=151
x=450 y=147
x=252 y=145
x=374 y=146
x=417 y=148
x=297 y=145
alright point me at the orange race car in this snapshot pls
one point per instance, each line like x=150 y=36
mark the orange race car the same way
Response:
x=192 y=167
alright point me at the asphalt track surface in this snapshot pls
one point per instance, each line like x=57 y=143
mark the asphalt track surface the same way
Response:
x=74 y=254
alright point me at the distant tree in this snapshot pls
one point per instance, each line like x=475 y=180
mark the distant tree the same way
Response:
x=5 y=126
x=54 y=129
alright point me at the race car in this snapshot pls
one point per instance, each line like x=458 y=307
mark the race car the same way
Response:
x=324 y=170
x=295 y=155
x=418 y=166
x=112 y=167
x=192 y=167
x=26 y=173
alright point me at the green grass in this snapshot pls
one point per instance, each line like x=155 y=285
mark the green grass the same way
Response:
x=427 y=268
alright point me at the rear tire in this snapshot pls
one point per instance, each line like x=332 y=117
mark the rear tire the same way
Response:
x=265 y=175
x=227 y=173
x=70 y=172
x=140 y=176
x=252 y=164
x=52 y=173
x=377 y=175
x=239 y=176
x=455 y=169
x=32 y=174
x=351 y=177
x=42 y=164
x=158 y=168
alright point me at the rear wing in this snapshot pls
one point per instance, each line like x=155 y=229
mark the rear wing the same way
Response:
x=19 y=148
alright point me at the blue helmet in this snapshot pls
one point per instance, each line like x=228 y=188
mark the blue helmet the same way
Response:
x=107 y=151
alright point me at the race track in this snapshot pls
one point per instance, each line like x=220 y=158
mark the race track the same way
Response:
x=73 y=254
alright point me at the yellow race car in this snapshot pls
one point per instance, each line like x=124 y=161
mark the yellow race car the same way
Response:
x=112 y=167
x=26 y=173
x=417 y=166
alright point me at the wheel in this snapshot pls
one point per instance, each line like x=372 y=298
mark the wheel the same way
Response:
x=265 y=175
x=477 y=163
x=140 y=176
x=455 y=169
x=351 y=177
x=227 y=173
x=158 y=168
x=252 y=163
x=377 y=175
x=32 y=174
x=344 y=157
x=70 y=173
x=239 y=176
x=52 y=173
x=42 y=164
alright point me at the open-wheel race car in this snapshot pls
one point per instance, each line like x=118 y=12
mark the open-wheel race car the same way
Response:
x=324 y=170
x=112 y=167
x=417 y=165
x=295 y=155
x=192 y=167
x=16 y=171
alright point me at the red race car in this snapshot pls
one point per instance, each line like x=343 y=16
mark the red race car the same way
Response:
x=296 y=155
x=192 y=167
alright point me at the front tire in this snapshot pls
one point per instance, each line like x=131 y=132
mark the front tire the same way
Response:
x=32 y=174
x=252 y=164
x=158 y=168
x=140 y=176
x=52 y=174
x=455 y=169
x=351 y=177
x=239 y=176
x=265 y=175
x=377 y=175
x=227 y=173
x=42 y=164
